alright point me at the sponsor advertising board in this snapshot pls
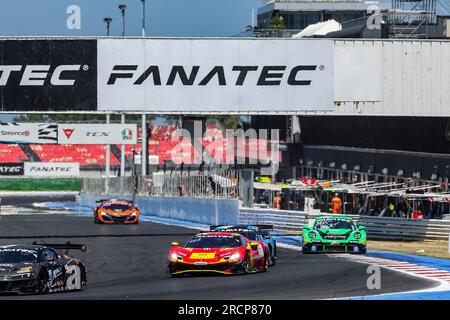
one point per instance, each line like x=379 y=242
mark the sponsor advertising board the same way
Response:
x=46 y=169
x=166 y=75
x=28 y=133
x=11 y=169
x=97 y=133
x=215 y=75
x=39 y=75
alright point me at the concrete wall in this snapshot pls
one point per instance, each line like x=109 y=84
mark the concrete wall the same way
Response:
x=199 y=210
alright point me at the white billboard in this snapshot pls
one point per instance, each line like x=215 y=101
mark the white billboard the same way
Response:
x=97 y=133
x=215 y=75
x=28 y=133
x=47 y=169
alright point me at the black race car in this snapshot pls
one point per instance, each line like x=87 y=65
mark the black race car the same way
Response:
x=256 y=232
x=39 y=268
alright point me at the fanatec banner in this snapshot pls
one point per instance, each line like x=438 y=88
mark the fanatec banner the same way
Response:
x=215 y=75
x=166 y=75
x=40 y=75
x=97 y=133
x=11 y=169
x=46 y=169
x=38 y=133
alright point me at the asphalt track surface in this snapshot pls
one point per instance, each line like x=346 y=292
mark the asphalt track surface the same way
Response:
x=129 y=262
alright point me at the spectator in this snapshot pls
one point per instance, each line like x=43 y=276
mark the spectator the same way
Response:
x=181 y=189
x=212 y=186
x=278 y=201
x=336 y=204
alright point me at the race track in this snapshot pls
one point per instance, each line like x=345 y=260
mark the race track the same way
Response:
x=130 y=262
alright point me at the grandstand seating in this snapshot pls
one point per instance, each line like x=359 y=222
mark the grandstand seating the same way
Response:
x=161 y=144
x=11 y=153
x=161 y=133
x=86 y=155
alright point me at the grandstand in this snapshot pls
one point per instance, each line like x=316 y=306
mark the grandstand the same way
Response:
x=160 y=144
x=12 y=153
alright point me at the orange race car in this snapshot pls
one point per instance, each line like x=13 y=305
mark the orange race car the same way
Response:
x=116 y=211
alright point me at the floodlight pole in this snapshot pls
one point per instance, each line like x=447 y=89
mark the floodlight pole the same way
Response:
x=143 y=17
x=108 y=24
x=122 y=9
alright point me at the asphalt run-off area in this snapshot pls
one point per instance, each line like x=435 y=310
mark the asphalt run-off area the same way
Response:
x=129 y=261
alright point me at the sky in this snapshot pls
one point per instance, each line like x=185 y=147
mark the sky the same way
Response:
x=196 y=18
x=164 y=17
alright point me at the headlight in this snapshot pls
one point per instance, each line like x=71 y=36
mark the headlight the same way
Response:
x=357 y=235
x=173 y=257
x=312 y=234
x=234 y=257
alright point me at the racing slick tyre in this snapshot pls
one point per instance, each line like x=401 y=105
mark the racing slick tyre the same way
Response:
x=42 y=286
x=266 y=261
x=96 y=221
x=172 y=275
x=246 y=265
x=273 y=255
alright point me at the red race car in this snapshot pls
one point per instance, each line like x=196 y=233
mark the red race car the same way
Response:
x=218 y=252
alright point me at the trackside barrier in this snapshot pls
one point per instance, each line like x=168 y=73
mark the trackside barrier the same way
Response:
x=282 y=220
x=199 y=210
x=380 y=228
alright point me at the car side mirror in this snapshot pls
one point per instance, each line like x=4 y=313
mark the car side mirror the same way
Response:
x=175 y=244
x=267 y=237
x=306 y=228
x=50 y=259
x=363 y=228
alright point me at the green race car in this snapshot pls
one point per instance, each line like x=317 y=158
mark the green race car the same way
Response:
x=334 y=234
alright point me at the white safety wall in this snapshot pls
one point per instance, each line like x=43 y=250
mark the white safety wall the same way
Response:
x=392 y=78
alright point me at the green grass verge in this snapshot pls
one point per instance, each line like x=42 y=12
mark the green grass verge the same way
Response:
x=66 y=184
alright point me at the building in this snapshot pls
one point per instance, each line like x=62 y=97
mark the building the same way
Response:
x=359 y=19
x=390 y=122
x=298 y=14
x=401 y=132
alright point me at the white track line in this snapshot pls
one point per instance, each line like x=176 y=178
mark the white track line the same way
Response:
x=442 y=277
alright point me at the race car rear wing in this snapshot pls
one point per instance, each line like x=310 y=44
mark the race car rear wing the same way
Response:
x=63 y=246
x=112 y=200
x=264 y=226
